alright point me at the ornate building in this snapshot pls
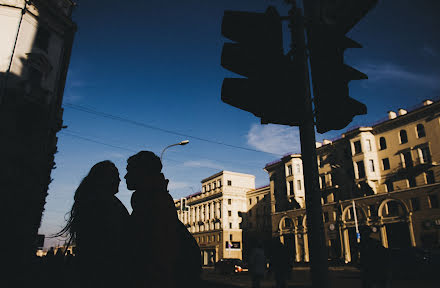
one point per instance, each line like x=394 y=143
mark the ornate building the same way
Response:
x=385 y=176
x=37 y=39
x=213 y=216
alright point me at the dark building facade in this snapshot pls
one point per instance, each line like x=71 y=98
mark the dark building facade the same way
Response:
x=33 y=68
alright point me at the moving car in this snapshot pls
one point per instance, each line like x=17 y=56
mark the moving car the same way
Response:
x=230 y=265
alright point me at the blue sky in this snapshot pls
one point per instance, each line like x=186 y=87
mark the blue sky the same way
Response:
x=157 y=64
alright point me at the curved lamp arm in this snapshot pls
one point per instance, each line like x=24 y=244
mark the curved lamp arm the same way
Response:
x=184 y=142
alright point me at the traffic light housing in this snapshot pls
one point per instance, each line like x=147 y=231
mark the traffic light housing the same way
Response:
x=268 y=89
x=334 y=108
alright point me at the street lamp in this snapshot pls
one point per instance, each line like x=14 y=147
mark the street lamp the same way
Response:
x=184 y=142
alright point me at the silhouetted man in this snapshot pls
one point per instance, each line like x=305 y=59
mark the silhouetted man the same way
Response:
x=374 y=261
x=153 y=221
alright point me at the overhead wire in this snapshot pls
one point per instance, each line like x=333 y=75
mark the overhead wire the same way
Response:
x=86 y=138
x=149 y=126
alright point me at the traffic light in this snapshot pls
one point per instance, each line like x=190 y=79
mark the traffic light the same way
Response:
x=268 y=91
x=334 y=108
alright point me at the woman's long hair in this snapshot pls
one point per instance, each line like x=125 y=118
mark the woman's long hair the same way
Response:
x=87 y=191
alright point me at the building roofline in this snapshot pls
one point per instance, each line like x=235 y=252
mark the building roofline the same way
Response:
x=223 y=172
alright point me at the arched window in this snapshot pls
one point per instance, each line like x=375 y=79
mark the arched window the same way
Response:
x=420 y=131
x=403 y=136
x=382 y=143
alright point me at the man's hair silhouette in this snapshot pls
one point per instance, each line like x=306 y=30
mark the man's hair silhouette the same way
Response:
x=145 y=161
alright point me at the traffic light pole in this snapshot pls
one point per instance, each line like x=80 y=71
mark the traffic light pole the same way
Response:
x=315 y=229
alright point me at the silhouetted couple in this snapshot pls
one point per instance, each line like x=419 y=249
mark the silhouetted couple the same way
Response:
x=149 y=248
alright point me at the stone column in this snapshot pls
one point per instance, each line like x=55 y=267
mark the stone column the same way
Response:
x=346 y=245
x=411 y=229
x=306 y=247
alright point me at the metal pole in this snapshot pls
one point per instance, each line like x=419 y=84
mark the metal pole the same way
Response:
x=358 y=235
x=315 y=229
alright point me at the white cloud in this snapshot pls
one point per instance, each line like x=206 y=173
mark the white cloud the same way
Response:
x=72 y=97
x=177 y=185
x=203 y=163
x=389 y=72
x=275 y=139
x=429 y=50
x=115 y=155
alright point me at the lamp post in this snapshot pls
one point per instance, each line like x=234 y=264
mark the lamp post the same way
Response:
x=184 y=142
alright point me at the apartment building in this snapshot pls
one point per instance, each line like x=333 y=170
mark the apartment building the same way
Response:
x=214 y=215
x=388 y=174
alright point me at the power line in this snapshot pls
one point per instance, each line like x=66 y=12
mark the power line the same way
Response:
x=95 y=141
x=85 y=138
x=136 y=123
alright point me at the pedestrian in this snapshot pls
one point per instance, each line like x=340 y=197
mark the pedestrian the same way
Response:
x=165 y=253
x=257 y=264
x=97 y=226
x=374 y=261
x=280 y=262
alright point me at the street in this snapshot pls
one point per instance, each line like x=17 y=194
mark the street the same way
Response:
x=340 y=277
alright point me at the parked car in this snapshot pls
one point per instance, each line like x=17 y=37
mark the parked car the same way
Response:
x=230 y=266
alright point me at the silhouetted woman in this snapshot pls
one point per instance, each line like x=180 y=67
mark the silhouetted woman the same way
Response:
x=97 y=226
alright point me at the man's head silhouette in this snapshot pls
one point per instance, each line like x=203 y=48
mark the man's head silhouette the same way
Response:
x=143 y=170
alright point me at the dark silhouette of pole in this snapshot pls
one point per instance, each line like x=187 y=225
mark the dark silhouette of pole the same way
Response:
x=315 y=228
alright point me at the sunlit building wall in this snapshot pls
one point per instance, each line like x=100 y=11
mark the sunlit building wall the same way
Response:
x=389 y=170
x=214 y=215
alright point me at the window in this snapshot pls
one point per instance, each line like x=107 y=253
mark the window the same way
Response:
x=230 y=225
x=357 y=147
x=291 y=191
x=321 y=161
x=322 y=181
x=371 y=165
x=420 y=131
x=382 y=143
x=229 y=183
x=429 y=177
x=415 y=204
x=204 y=188
x=258 y=198
x=326 y=217
x=424 y=154
x=42 y=39
x=412 y=182
x=250 y=201
x=386 y=164
x=35 y=77
x=229 y=213
x=407 y=159
x=433 y=201
x=230 y=236
x=361 y=169
x=229 y=201
x=298 y=184
x=213 y=185
x=368 y=145
x=289 y=170
x=390 y=186
x=209 y=187
x=403 y=136
x=219 y=183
